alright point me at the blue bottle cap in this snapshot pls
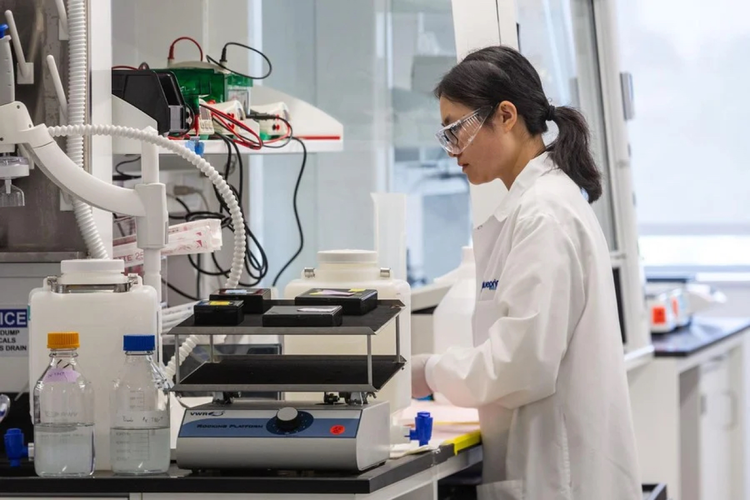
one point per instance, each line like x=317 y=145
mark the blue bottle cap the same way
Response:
x=138 y=343
x=3 y=29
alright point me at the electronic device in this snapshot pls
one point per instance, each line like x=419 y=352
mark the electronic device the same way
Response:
x=284 y=435
x=345 y=431
x=156 y=94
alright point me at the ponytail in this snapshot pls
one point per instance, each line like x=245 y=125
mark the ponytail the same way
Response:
x=571 y=153
x=495 y=74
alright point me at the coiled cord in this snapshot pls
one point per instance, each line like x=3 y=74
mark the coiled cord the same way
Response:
x=238 y=257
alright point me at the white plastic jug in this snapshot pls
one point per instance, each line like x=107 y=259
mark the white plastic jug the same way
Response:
x=356 y=269
x=452 y=317
x=94 y=298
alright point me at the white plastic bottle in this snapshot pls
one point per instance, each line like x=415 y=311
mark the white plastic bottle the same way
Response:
x=63 y=413
x=356 y=269
x=453 y=316
x=94 y=298
x=140 y=412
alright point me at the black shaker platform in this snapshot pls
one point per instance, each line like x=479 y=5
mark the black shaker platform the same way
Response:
x=263 y=370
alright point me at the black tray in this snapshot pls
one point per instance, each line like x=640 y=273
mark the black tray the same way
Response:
x=367 y=324
x=299 y=373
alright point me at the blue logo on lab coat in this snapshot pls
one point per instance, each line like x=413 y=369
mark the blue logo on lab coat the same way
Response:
x=489 y=285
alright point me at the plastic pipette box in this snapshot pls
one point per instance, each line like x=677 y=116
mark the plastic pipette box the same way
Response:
x=354 y=301
x=301 y=316
x=253 y=299
x=218 y=313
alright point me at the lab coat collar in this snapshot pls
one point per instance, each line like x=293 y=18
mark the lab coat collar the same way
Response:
x=528 y=176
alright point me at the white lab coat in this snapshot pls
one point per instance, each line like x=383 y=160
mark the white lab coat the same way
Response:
x=547 y=371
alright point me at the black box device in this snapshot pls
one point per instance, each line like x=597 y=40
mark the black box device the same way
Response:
x=218 y=313
x=253 y=299
x=300 y=316
x=354 y=301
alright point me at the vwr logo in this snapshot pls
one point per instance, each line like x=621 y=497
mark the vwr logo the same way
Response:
x=13 y=318
x=206 y=413
x=489 y=285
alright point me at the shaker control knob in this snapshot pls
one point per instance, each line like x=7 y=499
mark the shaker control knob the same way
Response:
x=288 y=418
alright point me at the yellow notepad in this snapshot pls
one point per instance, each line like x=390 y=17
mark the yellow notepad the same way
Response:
x=464 y=441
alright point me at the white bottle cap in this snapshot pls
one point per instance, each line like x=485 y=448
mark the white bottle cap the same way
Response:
x=92 y=272
x=348 y=257
x=92 y=266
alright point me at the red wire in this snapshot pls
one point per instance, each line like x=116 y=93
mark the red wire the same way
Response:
x=285 y=137
x=236 y=122
x=171 y=47
x=122 y=66
x=239 y=139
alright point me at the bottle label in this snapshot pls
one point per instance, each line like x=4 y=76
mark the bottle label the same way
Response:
x=61 y=375
x=141 y=419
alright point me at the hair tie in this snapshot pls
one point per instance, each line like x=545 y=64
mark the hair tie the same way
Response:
x=550 y=114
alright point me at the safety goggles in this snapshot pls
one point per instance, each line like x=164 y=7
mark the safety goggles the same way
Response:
x=457 y=136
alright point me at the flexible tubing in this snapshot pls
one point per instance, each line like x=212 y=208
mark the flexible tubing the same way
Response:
x=77 y=94
x=238 y=256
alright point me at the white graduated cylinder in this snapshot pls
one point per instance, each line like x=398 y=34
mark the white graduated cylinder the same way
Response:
x=101 y=316
x=357 y=269
x=453 y=316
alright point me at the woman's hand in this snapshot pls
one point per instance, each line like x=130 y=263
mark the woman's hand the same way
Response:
x=419 y=387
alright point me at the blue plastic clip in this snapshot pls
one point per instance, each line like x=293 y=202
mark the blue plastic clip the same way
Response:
x=3 y=29
x=14 y=448
x=196 y=146
x=422 y=431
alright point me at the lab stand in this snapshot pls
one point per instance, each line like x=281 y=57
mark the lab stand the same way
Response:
x=690 y=410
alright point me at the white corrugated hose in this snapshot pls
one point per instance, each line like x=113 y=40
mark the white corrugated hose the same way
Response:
x=238 y=256
x=77 y=92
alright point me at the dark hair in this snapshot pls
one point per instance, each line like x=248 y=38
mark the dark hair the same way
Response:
x=492 y=75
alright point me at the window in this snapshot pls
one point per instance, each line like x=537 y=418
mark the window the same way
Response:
x=689 y=158
x=559 y=39
x=438 y=206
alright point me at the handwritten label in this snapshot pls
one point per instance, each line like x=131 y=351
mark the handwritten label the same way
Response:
x=61 y=375
x=141 y=419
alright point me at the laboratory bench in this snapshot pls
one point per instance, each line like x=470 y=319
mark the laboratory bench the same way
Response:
x=450 y=472
x=691 y=410
x=411 y=477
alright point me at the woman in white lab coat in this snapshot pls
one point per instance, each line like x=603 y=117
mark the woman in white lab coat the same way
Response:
x=547 y=371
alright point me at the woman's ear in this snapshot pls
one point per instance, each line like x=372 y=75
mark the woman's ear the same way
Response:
x=506 y=115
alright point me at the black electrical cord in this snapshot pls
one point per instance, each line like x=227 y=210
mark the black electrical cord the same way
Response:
x=252 y=263
x=255 y=266
x=296 y=212
x=263 y=116
x=223 y=60
x=178 y=291
x=184 y=205
x=122 y=175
